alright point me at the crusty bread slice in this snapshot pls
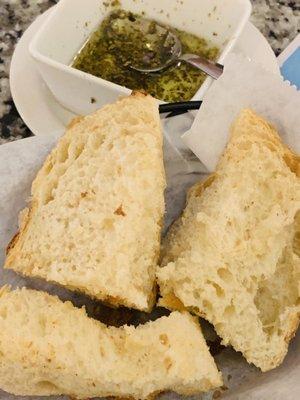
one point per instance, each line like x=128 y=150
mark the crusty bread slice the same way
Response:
x=97 y=207
x=233 y=257
x=49 y=347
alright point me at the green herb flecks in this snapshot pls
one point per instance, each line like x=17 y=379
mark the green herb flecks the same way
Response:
x=119 y=42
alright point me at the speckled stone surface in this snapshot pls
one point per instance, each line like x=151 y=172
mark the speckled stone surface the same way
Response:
x=278 y=20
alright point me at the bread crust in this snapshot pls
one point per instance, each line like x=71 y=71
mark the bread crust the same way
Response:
x=15 y=248
x=174 y=247
x=61 y=351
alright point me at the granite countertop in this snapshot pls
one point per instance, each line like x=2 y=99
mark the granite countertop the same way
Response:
x=279 y=21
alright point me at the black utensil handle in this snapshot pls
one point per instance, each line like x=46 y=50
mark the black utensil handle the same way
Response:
x=179 y=107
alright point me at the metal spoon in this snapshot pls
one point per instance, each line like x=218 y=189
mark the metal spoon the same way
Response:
x=171 y=54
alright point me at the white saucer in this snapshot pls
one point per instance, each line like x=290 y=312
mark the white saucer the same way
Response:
x=44 y=115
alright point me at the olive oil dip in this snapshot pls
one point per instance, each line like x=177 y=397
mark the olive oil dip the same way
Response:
x=118 y=41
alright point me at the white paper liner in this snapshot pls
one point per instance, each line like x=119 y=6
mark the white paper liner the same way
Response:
x=244 y=84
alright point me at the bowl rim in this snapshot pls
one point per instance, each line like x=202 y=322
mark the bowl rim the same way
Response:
x=123 y=90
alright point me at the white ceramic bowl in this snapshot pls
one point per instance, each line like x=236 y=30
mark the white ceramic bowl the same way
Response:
x=72 y=22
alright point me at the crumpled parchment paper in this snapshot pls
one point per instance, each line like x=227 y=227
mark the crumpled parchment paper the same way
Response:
x=244 y=84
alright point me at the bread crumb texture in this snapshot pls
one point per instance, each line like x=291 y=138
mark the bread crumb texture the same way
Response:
x=97 y=207
x=48 y=347
x=233 y=256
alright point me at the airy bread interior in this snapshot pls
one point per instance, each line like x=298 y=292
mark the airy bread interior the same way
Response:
x=97 y=206
x=233 y=256
x=48 y=347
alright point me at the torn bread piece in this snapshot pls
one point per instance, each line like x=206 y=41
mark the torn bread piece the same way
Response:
x=49 y=347
x=233 y=256
x=94 y=222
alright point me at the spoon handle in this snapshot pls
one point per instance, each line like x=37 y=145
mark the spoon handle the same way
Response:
x=211 y=68
x=179 y=106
